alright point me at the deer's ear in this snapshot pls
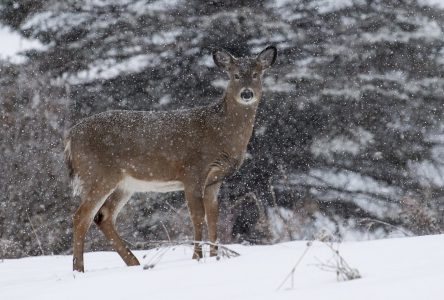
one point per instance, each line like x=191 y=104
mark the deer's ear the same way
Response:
x=267 y=57
x=222 y=59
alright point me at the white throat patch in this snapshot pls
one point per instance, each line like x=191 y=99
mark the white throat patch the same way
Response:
x=248 y=102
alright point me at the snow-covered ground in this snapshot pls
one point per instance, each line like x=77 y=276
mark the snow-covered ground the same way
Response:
x=405 y=268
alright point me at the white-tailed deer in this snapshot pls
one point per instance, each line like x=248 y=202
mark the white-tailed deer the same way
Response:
x=116 y=153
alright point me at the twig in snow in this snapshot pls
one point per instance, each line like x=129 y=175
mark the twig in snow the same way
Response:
x=337 y=263
x=166 y=230
x=156 y=258
x=164 y=246
x=35 y=233
x=291 y=274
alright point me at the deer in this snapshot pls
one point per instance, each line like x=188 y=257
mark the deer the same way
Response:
x=113 y=154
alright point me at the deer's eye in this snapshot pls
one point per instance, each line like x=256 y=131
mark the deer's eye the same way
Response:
x=236 y=76
x=254 y=75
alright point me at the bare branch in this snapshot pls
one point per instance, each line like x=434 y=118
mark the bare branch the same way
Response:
x=370 y=222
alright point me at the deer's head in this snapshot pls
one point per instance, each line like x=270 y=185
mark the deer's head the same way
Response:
x=245 y=84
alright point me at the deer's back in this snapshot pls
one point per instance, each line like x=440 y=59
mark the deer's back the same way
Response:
x=139 y=142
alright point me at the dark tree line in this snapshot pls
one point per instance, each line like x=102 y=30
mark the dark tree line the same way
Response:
x=349 y=136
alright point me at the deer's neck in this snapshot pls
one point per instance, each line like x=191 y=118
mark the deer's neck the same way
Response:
x=240 y=114
x=238 y=122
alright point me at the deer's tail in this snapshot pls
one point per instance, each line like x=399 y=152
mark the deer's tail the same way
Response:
x=68 y=157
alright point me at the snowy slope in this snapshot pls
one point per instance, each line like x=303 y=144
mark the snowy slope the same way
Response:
x=407 y=268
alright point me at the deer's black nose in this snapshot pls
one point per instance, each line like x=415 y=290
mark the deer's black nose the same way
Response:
x=246 y=94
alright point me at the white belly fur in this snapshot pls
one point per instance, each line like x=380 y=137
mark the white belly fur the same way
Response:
x=136 y=185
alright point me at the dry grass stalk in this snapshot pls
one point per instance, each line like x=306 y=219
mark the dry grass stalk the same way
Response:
x=337 y=263
x=164 y=246
x=291 y=274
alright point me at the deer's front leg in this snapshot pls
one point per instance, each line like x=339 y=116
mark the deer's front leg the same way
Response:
x=197 y=213
x=212 y=214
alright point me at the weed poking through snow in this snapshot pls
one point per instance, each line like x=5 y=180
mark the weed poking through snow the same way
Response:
x=335 y=264
x=164 y=246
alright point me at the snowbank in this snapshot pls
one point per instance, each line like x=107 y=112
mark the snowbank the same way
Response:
x=407 y=268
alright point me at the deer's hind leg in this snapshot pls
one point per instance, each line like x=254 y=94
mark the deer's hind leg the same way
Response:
x=106 y=220
x=93 y=198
